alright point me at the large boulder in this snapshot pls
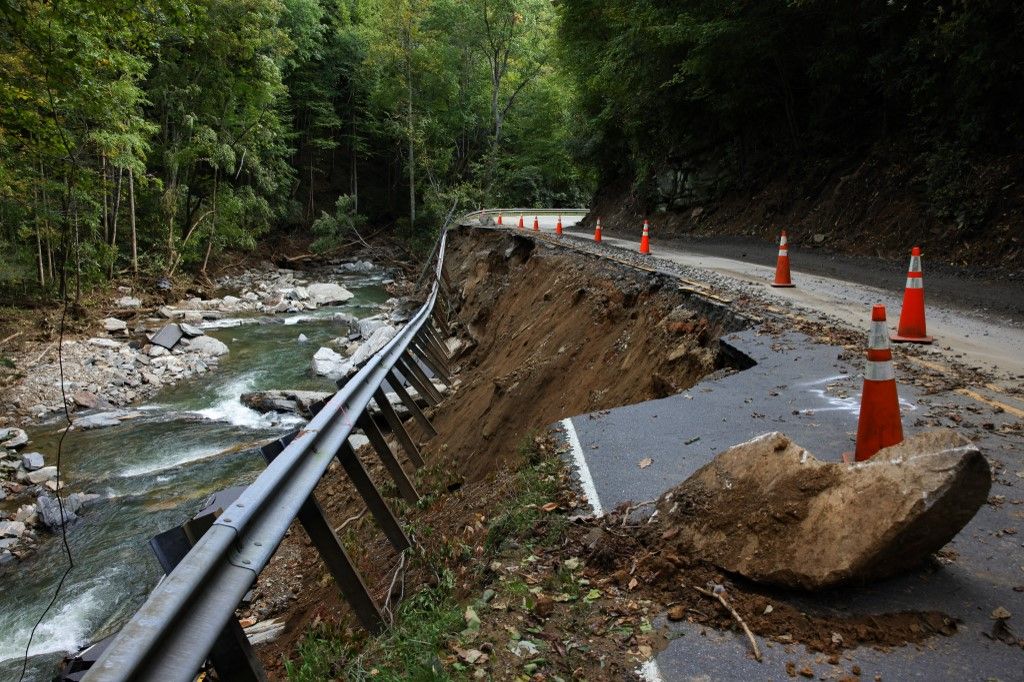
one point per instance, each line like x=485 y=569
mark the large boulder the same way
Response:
x=294 y=402
x=768 y=510
x=378 y=339
x=42 y=475
x=328 y=293
x=208 y=346
x=328 y=363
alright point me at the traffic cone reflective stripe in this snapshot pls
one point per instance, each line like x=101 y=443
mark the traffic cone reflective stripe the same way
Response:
x=536 y=225
x=521 y=224
x=597 y=231
x=782 y=276
x=912 y=327
x=558 y=226
x=879 y=424
x=645 y=240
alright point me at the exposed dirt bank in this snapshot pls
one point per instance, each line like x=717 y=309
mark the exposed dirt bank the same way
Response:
x=552 y=334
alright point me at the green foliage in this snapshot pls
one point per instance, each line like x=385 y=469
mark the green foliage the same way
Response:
x=332 y=231
x=206 y=123
x=693 y=83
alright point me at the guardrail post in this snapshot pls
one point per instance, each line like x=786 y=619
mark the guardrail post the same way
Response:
x=411 y=370
x=387 y=457
x=439 y=347
x=397 y=428
x=374 y=500
x=232 y=655
x=430 y=358
x=319 y=530
x=410 y=404
x=356 y=472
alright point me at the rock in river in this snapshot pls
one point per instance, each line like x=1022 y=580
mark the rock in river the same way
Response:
x=328 y=293
x=295 y=402
x=768 y=510
x=12 y=438
x=31 y=461
x=209 y=346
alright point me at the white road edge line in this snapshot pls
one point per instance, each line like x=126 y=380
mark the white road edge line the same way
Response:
x=586 y=480
x=650 y=672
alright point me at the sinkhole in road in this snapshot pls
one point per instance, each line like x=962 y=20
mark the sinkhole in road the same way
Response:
x=547 y=333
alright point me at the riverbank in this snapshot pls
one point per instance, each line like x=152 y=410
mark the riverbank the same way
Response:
x=144 y=348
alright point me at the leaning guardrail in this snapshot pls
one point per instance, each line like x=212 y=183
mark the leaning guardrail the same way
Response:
x=191 y=611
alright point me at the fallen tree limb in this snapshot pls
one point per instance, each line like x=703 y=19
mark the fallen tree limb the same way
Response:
x=724 y=602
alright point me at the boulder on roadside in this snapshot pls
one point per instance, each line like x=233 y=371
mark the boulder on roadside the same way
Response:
x=768 y=510
x=293 y=402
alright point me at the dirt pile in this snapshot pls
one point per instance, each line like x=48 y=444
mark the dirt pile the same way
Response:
x=550 y=335
x=768 y=510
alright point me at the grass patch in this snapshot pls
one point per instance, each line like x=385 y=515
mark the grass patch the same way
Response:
x=427 y=620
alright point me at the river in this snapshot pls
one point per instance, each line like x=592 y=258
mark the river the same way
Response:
x=154 y=472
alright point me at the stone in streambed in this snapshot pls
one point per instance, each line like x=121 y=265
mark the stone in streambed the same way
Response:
x=168 y=337
x=328 y=293
x=328 y=363
x=768 y=510
x=294 y=402
x=32 y=461
x=112 y=325
x=208 y=346
x=41 y=475
x=13 y=437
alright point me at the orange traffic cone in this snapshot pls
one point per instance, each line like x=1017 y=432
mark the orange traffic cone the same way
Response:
x=597 y=231
x=912 y=327
x=782 y=278
x=499 y=220
x=879 y=425
x=645 y=240
x=558 y=226
x=521 y=226
x=536 y=225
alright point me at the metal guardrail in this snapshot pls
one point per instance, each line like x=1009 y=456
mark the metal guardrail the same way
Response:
x=189 y=617
x=171 y=635
x=509 y=212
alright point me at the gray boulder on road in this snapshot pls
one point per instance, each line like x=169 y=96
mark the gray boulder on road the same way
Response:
x=768 y=510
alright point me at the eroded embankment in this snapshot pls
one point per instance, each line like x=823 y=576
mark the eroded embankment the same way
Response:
x=551 y=334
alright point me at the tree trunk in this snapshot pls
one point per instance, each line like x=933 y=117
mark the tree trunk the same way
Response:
x=213 y=226
x=354 y=174
x=106 y=219
x=131 y=209
x=113 y=220
x=412 y=160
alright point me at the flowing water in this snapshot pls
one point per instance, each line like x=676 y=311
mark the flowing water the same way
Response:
x=153 y=473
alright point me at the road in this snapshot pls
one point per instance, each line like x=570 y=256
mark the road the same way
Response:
x=804 y=388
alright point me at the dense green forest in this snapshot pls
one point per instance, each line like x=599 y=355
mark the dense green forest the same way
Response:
x=147 y=137
x=682 y=103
